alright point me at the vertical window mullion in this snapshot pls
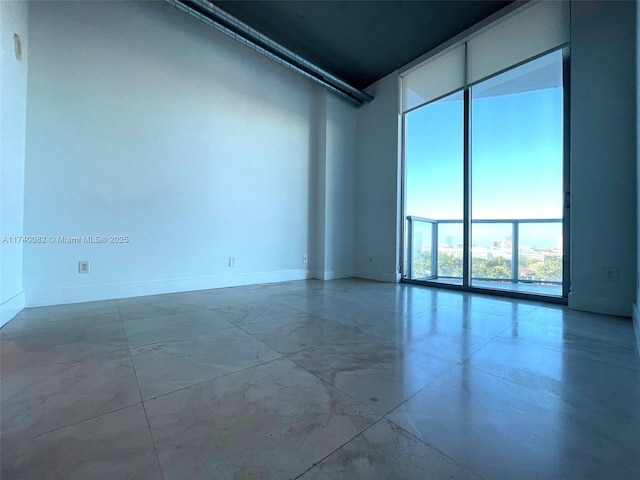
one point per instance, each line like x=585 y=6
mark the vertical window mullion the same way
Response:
x=566 y=179
x=466 y=251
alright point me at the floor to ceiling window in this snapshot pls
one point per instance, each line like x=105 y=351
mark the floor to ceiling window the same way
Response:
x=485 y=177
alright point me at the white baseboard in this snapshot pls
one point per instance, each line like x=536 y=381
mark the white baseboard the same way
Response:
x=11 y=307
x=62 y=295
x=379 y=276
x=607 y=306
x=334 y=275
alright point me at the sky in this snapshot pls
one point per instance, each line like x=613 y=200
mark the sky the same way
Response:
x=516 y=161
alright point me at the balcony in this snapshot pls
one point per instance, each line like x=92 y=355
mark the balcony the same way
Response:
x=522 y=255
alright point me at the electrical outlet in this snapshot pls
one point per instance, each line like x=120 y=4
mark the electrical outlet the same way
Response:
x=611 y=274
x=304 y=258
x=83 y=266
x=232 y=261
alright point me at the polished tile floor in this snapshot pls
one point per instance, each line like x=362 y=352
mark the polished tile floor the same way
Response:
x=347 y=379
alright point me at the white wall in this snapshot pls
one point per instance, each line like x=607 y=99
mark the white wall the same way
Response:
x=335 y=188
x=144 y=122
x=338 y=181
x=377 y=184
x=603 y=158
x=13 y=101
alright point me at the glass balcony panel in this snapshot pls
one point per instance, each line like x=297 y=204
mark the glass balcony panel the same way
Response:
x=421 y=248
x=450 y=250
x=540 y=253
x=491 y=252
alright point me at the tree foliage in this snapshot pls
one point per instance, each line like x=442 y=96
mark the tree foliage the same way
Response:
x=495 y=268
x=550 y=269
x=498 y=268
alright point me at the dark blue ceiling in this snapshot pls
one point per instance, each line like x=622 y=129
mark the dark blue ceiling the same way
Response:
x=361 y=41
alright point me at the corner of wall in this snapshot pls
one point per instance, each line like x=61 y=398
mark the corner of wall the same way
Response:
x=602 y=305
x=377 y=191
x=11 y=308
x=14 y=42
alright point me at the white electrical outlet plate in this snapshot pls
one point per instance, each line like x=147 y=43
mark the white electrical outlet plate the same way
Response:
x=304 y=258
x=232 y=261
x=83 y=266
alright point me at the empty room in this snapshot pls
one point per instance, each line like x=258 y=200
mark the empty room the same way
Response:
x=319 y=240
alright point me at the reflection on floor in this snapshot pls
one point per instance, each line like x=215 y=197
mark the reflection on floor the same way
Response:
x=347 y=379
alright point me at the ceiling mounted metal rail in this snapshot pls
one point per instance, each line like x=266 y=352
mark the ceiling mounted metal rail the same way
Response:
x=217 y=18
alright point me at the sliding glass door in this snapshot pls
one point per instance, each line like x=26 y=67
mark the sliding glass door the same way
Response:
x=484 y=183
x=434 y=186
x=516 y=178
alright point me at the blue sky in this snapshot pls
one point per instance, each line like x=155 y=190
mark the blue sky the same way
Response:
x=516 y=159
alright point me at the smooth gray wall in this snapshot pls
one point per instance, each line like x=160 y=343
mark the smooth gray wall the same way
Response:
x=603 y=155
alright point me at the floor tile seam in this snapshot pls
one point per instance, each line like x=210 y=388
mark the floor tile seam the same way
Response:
x=567 y=350
x=175 y=339
x=615 y=412
x=546 y=393
x=465 y=310
x=153 y=440
x=547 y=306
x=146 y=417
x=279 y=302
x=163 y=316
x=82 y=358
x=136 y=301
x=288 y=354
x=500 y=316
x=86 y=359
x=404 y=348
x=422 y=312
x=84 y=420
x=271 y=319
x=608 y=341
x=580 y=332
x=425 y=386
x=493 y=338
x=592 y=429
x=339 y=447
x=535 y=344
x=424 y=442
x=377 y=414
x=430 y=382
x=124 y=319
x=196 y=384
x=51 y=327
x=314 y=318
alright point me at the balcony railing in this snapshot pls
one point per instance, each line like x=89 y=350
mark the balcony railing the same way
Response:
x=509 y=247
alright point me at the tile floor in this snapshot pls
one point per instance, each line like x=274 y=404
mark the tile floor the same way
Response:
x=347 y=379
